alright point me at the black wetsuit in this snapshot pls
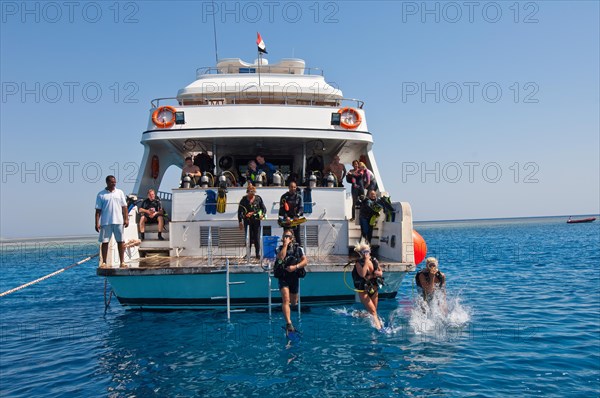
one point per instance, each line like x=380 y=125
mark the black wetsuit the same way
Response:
x=290 y=279
x=440 y=282
x=148 y=204
x=361 y=283
x=295 y=210
x=367 y=211
x=252 y=222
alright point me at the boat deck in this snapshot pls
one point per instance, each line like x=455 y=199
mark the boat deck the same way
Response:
x=161 y=265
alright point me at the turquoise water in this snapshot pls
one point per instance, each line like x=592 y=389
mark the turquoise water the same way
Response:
x=524 y=321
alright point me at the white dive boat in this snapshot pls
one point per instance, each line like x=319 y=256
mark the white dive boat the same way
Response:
x=233 y=112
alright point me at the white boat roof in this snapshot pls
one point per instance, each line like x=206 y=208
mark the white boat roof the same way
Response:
x=287 y=78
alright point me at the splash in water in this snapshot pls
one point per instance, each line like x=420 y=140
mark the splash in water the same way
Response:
x=354 y=313
x=439 y=316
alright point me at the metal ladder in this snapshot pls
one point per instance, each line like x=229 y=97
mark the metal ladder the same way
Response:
x=228 y=283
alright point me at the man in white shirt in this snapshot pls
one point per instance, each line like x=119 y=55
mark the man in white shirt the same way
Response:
x=111 y=218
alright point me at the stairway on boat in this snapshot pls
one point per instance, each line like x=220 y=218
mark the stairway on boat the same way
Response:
x=151 y=246
x=354 y=235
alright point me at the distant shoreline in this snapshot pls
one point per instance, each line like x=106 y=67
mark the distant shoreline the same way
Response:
x=71 y=238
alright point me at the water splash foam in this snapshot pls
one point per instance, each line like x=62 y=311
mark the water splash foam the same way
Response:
x=439 y=315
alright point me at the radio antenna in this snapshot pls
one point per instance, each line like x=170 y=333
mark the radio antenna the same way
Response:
x=215 y=32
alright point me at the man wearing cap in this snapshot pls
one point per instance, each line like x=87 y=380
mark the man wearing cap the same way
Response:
x=250 y=211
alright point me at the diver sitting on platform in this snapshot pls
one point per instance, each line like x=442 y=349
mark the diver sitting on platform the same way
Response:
x=253 y=176
x=367 y=278
x=337 y=169
x=190 y=169
x=266 y=168
x=152 y=212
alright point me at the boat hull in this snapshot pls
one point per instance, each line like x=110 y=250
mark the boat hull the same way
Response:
x=204 y=291
x=583 y=220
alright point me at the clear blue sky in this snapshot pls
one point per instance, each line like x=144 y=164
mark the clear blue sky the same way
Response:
x=541 y=133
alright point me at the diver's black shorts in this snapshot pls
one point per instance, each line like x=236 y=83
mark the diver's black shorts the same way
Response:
x=151 y=220
x=290 y=281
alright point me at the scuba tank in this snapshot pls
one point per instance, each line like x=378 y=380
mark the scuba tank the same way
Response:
x=259 y=180
x=277 y=179
x=187 y=182
x=222 y=180
x=312 y=180
x=204 y=180
x=330 y=180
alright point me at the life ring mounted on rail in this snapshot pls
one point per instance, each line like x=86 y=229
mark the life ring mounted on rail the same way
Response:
x=349 y=118
x=161 y=118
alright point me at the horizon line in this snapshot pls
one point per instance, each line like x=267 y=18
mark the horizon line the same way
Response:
x=94 y=236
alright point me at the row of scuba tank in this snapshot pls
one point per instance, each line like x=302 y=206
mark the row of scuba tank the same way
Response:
x=227 y=179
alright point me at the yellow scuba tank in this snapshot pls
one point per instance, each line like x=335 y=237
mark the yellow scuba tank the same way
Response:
x=221 y=200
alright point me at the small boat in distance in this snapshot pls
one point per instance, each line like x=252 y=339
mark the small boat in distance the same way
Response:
x=581 y=220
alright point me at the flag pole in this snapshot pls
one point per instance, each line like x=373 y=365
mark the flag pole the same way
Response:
x=259 y=65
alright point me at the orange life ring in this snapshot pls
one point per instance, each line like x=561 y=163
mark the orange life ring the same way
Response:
x=357 y=118
x=154 y=167
x=167 y=123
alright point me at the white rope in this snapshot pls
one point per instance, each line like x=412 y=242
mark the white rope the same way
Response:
x=16 y=289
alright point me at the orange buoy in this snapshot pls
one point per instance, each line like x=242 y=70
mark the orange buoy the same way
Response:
x=352 y=119
x=164 y=123
x=154 y=167
x=420 y=247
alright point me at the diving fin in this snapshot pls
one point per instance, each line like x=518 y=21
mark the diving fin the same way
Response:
x=292 y=334
x=210 y=204
x=307 y=199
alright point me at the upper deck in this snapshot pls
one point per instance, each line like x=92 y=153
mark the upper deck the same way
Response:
x=234 y=81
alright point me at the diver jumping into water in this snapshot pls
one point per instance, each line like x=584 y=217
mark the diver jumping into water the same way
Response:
x=432 y=280
x=367 y=276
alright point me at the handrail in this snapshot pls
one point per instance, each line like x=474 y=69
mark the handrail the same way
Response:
x=228 y=99
x=235 y=69
x=162 y=195
x=210 y=262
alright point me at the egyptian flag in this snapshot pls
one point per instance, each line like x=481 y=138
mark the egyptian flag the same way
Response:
x=261 y=44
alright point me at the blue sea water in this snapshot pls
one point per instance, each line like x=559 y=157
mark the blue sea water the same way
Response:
x=524 y=320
